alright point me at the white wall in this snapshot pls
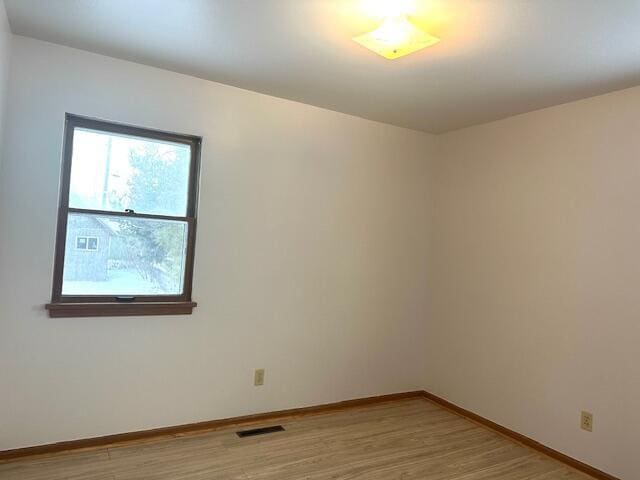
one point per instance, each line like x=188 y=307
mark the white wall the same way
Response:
x=5 y=60
x=5 y=54
x=536 y=268
x=310 y=259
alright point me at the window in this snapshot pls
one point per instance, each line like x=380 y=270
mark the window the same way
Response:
x=87 y=243
x=126 y=222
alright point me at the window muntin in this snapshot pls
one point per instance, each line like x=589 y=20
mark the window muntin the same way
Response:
x=128 y=195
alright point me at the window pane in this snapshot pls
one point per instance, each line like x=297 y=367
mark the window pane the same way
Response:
x=81 y=243
x=115 y=172
x=92 y=243
x=124 y=256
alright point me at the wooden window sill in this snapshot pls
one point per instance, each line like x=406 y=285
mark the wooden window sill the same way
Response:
x=64 y=310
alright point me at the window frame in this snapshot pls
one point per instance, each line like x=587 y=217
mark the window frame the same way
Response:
x=110 y=305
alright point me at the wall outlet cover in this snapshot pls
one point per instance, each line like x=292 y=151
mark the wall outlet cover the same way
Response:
x=586 y=421
x=258 y=377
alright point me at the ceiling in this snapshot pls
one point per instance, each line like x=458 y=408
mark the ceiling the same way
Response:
x=497 y=57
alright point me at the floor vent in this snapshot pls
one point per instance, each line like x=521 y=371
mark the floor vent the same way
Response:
x=260 y=431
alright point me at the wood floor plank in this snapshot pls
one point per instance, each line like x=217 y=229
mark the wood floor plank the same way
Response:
x=75 y=465
x=402 y=440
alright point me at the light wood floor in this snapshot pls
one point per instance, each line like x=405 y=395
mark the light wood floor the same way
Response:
x=407 y=440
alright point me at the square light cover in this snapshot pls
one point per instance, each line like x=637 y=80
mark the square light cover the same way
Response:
x=396 y=37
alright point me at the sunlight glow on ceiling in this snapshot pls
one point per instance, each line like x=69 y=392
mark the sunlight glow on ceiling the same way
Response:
x=381 y=9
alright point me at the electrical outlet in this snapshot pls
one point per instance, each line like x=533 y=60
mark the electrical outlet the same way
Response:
x=586 y=421
x=258 y=377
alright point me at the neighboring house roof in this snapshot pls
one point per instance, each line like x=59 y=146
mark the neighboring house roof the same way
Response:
x=112 y=226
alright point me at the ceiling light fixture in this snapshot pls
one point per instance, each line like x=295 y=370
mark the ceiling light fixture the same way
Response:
x=396 y=37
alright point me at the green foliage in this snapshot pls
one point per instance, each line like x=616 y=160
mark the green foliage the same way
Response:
x=159 y=184
x=155 y=248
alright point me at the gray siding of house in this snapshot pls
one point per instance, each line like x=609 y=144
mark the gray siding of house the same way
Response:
x=86 y=265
